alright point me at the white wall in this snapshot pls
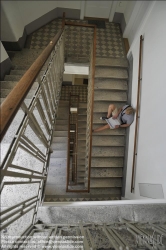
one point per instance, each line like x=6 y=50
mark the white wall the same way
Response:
x=3 y=54
x=151 y=158
x=128 y=10
x=12 y=25
x=31 y=10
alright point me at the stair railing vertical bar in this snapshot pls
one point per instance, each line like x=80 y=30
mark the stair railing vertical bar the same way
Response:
x=137 y=114
x=34 y=135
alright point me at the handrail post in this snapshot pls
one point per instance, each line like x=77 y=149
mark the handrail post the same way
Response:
x=137 y=114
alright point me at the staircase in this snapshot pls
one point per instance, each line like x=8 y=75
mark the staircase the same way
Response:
x=108 y=146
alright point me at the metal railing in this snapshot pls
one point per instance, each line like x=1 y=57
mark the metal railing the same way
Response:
x=25 y=166
x=120 y=235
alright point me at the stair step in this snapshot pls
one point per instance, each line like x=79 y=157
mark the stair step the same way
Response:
x=105 y=191
x=82 y=111
x=26 y=56
x=82 y=105
x=81 y=124
x=60 y=122
x=81 y=143
x=80 y=168
x=82 y=196
x=12 y=84
x=106 y=172
x=59 y=146
x=104 y=140
x=108 y=72
x=105 y=182
x=12 y=77
x=110 y=84
x=119 y=131
x=82 y=118
x=102 y=106
x=60 y=139
x=110 y=162
x=57 y=162
x=5 y=92
x=59 y=154
x=60 y=133
x=18 y=72
x=107 y=95
x=61 y=127
x=81 y=131
x=107 y=151
x=81 y=155
x=82 y=137
x=112 y=62
x=63 y=103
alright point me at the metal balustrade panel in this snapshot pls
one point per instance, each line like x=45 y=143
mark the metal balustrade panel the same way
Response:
x=25 y=164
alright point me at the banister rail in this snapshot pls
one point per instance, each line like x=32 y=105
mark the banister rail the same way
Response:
x=137 y=114
x=13 y=101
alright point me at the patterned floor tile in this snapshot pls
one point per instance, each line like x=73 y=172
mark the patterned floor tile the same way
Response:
x=79 y=39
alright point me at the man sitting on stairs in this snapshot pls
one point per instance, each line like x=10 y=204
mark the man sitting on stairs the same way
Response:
x=121 y=118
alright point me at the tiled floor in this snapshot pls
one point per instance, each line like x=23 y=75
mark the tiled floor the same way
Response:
x=78 y=40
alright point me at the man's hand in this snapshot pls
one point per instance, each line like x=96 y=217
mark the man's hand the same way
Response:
x=114 y=117
x=117 y=126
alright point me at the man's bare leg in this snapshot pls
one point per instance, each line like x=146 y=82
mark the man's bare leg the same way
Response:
x=101 y=128
x=111 y=108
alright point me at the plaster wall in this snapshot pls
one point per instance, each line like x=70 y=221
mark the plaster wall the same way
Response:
x=151 y=157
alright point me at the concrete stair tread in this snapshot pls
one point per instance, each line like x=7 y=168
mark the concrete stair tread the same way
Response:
x=110 y=84
x=81 y=131
x=12 y=84
x=81 y=137
x=62 y=127
x=107 y=151
x=106 y=182
x=109 y=132
x=81 y=197
x=106 y=172
x=112 y=62
x=104 y=140
x=102 y=106
x=59 y=146
x=108 y=72
x=109 y=162
x=60 y=133
x=107 y=95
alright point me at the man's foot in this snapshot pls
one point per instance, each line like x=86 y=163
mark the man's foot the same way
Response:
x=103 y=118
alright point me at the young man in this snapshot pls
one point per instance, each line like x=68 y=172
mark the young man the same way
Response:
x=124 y=115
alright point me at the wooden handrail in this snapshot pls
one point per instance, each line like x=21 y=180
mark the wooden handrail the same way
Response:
x=13 y=101
x=137 y=114
x=93 y=81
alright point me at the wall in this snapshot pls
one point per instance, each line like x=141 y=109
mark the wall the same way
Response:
x=12 y=25
x=128 y=10
x=151 y=156
x=3 y=53
x=30 y=9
